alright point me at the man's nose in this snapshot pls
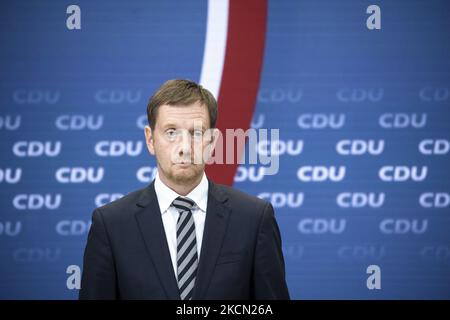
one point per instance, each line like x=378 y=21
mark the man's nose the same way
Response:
x=185 y=144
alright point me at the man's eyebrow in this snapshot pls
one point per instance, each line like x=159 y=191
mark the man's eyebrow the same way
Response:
x=169 y=125
x=172 y=125
x=203 y=129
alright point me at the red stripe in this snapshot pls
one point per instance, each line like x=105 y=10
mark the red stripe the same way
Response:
x=241 y=75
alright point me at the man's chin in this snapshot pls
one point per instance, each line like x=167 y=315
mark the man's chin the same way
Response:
x=185 y=173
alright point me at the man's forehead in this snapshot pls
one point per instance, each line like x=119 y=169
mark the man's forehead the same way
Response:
x=194 y=107
x=191 y=123
x=183 y=115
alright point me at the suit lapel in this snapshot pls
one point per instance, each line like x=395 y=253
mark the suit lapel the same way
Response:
x=152 y=230
x=215 y=227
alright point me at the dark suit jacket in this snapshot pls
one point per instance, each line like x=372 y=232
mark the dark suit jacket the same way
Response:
x=127 y=255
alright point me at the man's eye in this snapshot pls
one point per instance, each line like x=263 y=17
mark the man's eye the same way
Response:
x=198 y=134
x=171 y=133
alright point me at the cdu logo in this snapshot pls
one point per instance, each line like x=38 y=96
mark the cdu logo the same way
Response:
x=33 y=255
x=321 y=226
x=37 y=201
x=403 y=226
x=104 y=198
x=434 y=146
x=10 y=123
x=361 y=252
x=360 y=200
x=358 y=95
x=278 y=95
x=10 y=176
x=402 y=173
x=10 y=229
x=293 y=251
x=250 y=173
x=435 y=94
x=279 y=147
x=402 y=120
x=79 y=175
x=25 y=149
x=434 y=200
x=146 y=174
x=321 y=121
x=73 y=227
x=36 y=96
x=117 y=148
x=436 y=253
x=282 y=199
x=359 y=147
x=79 y=122
x=321 y=173
x=109 y=96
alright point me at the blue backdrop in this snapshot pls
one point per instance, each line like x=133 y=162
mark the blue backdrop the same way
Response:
x=364 y=119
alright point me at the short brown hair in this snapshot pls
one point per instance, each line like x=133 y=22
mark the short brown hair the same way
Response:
x=181 y=92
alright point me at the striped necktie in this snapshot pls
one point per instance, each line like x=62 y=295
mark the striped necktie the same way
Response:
x=187 y=260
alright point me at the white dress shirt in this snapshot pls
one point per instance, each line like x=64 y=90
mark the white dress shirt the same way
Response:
x=170 y=214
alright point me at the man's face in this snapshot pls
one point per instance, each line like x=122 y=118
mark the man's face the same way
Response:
x=177 y=138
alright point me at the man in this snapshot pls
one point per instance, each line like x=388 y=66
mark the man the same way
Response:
x=183 y=236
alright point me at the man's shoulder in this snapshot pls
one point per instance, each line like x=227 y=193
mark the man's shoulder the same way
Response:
x=123 y=206
x=239 y=197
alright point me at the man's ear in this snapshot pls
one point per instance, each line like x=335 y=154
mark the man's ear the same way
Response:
x=149 y=139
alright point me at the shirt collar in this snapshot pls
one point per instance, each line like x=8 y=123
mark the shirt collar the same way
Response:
x=166 y=195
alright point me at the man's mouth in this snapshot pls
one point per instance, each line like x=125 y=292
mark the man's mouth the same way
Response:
x=183 y=163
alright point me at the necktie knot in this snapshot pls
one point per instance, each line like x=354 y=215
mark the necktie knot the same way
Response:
x=183 y=204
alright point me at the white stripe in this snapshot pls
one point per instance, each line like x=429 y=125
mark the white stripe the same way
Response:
x=215 y=45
